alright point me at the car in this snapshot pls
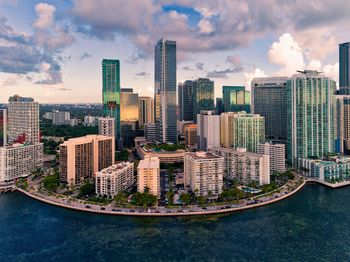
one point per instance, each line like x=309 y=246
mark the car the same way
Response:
x=227 y=207
x=132 y=211
x=204 y=208
x=168 y=211
x=102 y=208
x=87 y=206
x=114 y=210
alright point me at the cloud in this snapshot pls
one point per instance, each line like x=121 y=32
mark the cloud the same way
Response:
x=224 y=73
x=234 y=59
x=85 y=55
x=199 y=66
x=187 y=68
x=45 y=16
x=143 y=74
x=249 y=76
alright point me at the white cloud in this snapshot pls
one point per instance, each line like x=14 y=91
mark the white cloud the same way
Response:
x=45 y=16
x=205 y=26
x=248 y=76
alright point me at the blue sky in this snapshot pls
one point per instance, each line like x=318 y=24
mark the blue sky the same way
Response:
x=52 y=50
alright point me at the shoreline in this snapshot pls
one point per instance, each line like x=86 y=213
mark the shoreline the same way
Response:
x=184 y=212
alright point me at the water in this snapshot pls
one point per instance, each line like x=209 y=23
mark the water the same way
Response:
x=313 y=225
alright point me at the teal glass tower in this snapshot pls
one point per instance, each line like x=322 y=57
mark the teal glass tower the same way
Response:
x=111 y=91
x=235 y=99
x=203 y=96
x=344 y=65
x=310 y=116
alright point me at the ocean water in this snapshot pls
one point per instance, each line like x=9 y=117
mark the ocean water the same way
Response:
x=313 y=225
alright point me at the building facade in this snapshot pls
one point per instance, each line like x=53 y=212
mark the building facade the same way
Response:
x=165 y=91
x=203 y=173
x=244 y=166
x=185 y=101
x=60 y=118
x=208 y=130
x=148 y=175
x=242 y=130
x=342 y=124
x=146 y=111
x=111 y=92
x=114 y=179
x=235 y=99
x=190 y=134
x=20 y=160
x=219 y=106
x=129 y=115
x=106 y=126
x=82 y=157
x=269 y=99
x=203 y=96
x=23 y=120
x=89 y=121
x=277 y=153
x=344 y=65
x=310 y=116
x=3 y=127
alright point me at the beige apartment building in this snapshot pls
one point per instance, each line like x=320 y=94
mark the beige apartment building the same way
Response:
x=148 y=175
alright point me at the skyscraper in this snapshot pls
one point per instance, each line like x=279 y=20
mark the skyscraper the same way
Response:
x=165 y=90
x=203 y=96
x=235 y=99
x=146 y=110
x=219 y=106
x=344 y=65
x=23 y=120
x=269 y=100
x=208 y=130
x=310 y=116
x=129 y=115
x=342 y=124
x=111 y=91
x=185 y=97
x=3 y=127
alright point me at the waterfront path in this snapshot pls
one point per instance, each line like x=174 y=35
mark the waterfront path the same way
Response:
x=80 y=205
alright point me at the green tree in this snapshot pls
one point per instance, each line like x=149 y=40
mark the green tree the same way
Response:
x=88 y=189
x=51 y=183
x=170 y=196
x=185 y=198
x=144 y=199
x=201 y=200
x=120 y=198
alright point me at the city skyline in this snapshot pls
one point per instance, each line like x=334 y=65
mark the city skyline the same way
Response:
x=62 y=44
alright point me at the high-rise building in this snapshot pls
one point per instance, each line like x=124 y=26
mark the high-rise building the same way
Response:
x=114 y=179
x=82 y=157
x=165 y=90
x=344 y=65
x=23 y=120
x=60 y=118
x=242 y=130
x=208 y=130
x=185 y=98
x=310 y=116
x=342 y=124
x=148 y=175
x=244 y=166
x=151 y=132
x=146 y=110
x=20 y=160
x=3 y=127
x=111 y=92
x=235 y=99
x=190 y=134
x=219 y=106
x=203 y=96
x=129 y=115
x=270 y=101
x=106 y=126
x=203 y=173
x=277 y=153
x=89 y=121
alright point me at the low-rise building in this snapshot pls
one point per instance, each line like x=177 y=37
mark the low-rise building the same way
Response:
x=190 y=133
x=244 y=166
x=203 y=173
x=277 y=153
x=89 y=121
x=148 y=175
x=20 y=160
x=114 y=179
x=60 y=118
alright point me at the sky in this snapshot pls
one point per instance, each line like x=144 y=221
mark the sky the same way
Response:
x=52 y=50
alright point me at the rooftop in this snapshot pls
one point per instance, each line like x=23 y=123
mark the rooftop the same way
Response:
x=202 y=155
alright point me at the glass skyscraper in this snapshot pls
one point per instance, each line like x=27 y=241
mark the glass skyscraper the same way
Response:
x=203 y=96
x=111 y=91
x=310 y=116
x=165 y=90
x=269 y=100
x=344 y=64
x=235 y=99
x=129 y=115
x=185 y=97
x=3 y=127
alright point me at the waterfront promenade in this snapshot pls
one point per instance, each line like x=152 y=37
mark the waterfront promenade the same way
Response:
x=80 y=205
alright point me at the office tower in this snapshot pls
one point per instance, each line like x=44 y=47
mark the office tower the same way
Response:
x=310 y=116
x=89 y=121
x=151 y=132
x=277 y=153
x=203 y=96
x=165 y=90
x=114 y=179
x=344 y=90
x=244 y=166
x=148 y=175
x=60 y=118
x=3 y=127
x=270 y=101
x=208 y=130
x=106 y=126
x=23 y=120
x=342 y=124
x=82 y=157
x=235 y=99
x=146 y=110
x=111 y=92
x=129 y=115
x=344 y=65
x=20 y=160
x=242 y=130
x=190 y=133
x=203 y=173
x=219 y=106
x=185 y=98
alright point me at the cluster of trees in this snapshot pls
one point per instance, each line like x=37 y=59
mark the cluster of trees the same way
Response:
x=88 y=189
x=50 y=146
x=122 y=156
x=233 y=193
x=270 y=187
x=167 y=147
x=67 y=131
x=51 y=182
x=144 y=199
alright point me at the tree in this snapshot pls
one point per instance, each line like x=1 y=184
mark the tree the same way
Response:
x=185 y=198
x=87 y=189
x=201 y=200
x=120 y=198
x=170 y=196
x=144 y=199
x=51 y=183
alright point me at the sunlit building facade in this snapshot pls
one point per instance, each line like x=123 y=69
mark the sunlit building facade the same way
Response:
x=203 y=96
x=235 y=99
